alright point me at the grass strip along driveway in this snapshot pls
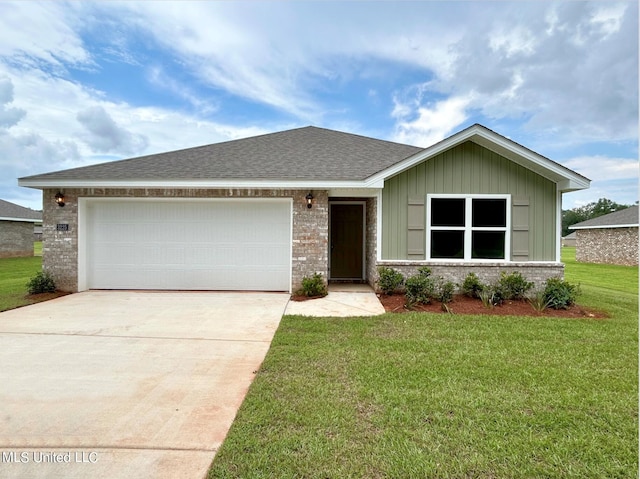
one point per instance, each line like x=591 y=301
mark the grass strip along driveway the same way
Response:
x=15 y=273
x=448 y=396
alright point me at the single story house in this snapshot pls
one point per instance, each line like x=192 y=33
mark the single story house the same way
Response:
x=17 y=225
x=608 y=239
x=569 y=240
x=262 y=213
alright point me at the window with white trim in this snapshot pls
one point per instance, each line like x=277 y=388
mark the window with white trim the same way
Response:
x=468 y=227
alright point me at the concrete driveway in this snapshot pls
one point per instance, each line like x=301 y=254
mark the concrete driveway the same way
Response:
x=112 y=384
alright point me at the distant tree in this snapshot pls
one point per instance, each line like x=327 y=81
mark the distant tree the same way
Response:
x=604 y=206
x=592 y=210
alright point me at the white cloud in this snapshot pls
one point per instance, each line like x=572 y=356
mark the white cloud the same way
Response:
x=285 y=54
x=25 y=153
x=106 y=126
x=624 y=192
x=105 y=136
x=431 y=123
x=603 y=168
x=563 y=66
x=158 y=77
x=229 y=51
x=31 y=33
x=513 y=41
x=9 y=116
x=608 y=18
x=583 y=90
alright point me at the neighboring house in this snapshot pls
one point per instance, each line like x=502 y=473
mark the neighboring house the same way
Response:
x=261 y=213
x=569 y=240
x=37 y=232
x=610 y=239
x=17 y=229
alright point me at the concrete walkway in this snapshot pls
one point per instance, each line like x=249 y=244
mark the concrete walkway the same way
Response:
x=127 y=384
x=343 y=300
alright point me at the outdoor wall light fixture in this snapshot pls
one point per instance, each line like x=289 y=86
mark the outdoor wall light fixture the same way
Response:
x=309 y=198
x=60 y=199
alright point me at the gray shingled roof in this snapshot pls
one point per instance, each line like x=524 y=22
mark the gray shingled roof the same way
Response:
x=308 y=153
x=628 y=216
x=11 y=210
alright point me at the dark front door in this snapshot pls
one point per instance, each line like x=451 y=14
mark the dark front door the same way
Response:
x=347 y=237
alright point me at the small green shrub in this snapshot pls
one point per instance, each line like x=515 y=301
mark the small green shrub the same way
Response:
x=424 y=271
x=537 y=301
x=498 y=294
x=313 y=286
x=389 y=280
x=513 y=286
x=42 y=282
x=419 y=289
x=490 y=296
x=560 y=294
x=445 y=290
x=472 y=286
x=422 y=288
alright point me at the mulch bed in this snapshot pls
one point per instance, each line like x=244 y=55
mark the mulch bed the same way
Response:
x=46 y=296
x=461 y=304
x=40 y=297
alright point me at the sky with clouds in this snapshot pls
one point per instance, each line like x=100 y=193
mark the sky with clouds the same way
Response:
x=83 y=83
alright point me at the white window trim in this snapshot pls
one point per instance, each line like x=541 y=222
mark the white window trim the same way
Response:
x=468 y=229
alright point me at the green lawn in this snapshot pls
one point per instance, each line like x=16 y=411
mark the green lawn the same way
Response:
x=441 y=396
x=601 y=277
x=14 y=275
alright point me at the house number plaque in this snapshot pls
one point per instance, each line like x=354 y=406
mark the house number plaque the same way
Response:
x=62 y=227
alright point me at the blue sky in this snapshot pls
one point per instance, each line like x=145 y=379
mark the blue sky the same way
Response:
x=82 y=82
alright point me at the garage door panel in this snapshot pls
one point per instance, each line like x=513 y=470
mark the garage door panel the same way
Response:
x=208 y=245
x=129 y=277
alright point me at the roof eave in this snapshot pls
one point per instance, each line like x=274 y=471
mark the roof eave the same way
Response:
x=206 y=183
x=21 y=220
x=599 y=227
x=569 y=185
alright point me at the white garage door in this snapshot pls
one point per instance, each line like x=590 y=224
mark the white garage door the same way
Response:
x=188 y=245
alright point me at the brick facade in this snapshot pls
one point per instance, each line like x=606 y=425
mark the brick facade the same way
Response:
x=607 y=246
x=487 y=272
x=371 y=229
x=60 y=248
x=310 y=236
x=16 y=239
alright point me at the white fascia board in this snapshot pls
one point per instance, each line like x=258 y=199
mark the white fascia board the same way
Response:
x=566 y=179
x=23 y=220
x=602 y=227
x=222 y=184
x=374 y=183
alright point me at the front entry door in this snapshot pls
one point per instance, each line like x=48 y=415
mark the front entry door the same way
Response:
x=347 y=241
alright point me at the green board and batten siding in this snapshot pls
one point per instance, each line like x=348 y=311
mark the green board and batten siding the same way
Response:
x=470 y=169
